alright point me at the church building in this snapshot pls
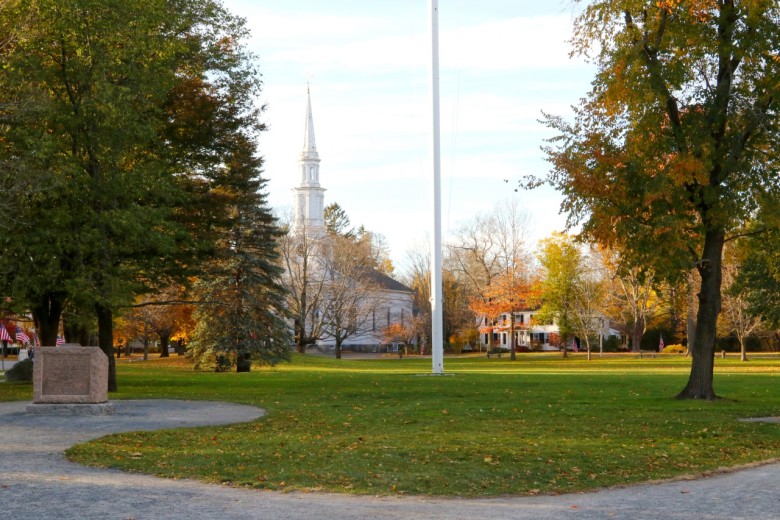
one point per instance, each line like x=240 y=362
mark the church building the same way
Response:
x=389 y=302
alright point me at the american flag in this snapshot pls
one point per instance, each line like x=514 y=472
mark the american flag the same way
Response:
x=574 y=345
x=4 y=336
x=661 y=343
x=36 y=339
x=21 y=337
x=60 y=340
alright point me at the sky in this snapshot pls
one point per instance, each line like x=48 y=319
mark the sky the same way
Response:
x=502 y=62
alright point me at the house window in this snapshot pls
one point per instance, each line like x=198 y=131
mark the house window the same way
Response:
x=486 y=339
x=522 y=318
x=503 y=338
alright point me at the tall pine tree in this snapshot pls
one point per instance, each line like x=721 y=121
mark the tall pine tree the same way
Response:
x=242 y=316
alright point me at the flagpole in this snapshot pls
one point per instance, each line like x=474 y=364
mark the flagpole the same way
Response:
x=437 y=343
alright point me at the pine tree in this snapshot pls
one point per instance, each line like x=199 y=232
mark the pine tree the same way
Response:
x=242 y=319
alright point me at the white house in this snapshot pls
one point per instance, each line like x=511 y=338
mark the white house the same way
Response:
x=529 y=334
x=390 y=302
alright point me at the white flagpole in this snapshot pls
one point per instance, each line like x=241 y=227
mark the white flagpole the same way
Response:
x=437 y=342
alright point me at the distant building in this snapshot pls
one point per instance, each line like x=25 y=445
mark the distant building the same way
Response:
x=529 y=334
x=391 y=301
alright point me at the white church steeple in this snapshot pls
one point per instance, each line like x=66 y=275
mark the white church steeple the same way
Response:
x=309 y=195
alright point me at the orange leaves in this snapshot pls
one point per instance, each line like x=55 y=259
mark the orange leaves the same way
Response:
x=508 y=292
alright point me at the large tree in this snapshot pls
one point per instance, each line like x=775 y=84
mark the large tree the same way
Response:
x=489 y=255
x=136 y=105
x=758 y=279
x=590 y=298
x=676 y=142
x=303 y=253
x=736 y=317
x=352 y=297
x=561 y=262
x=632 y=299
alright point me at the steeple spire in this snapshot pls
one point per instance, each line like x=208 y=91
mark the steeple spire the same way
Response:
x=309 y=144
x=309 y=195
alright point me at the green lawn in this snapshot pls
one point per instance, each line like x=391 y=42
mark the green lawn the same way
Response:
x=541 y=424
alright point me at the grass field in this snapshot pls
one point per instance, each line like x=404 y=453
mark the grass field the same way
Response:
x=541 y=424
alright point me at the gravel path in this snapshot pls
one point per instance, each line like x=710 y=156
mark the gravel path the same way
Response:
x=36 y=482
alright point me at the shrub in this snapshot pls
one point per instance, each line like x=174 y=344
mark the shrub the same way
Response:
x=611 y=344
x=21 y=371
x=674 y=349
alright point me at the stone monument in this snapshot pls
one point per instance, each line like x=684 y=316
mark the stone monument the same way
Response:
x=70 y=380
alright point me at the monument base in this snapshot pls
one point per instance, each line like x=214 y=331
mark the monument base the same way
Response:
x=71 y=409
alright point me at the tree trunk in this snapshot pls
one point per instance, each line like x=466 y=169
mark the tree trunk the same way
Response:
x=743 y=349
x=691 y=319
x=105 y=319
x=490 y=343
x=637 y=332
x=165 y=341
x=301 y=321
x=703 y=349
x=243 y=362
x=338 y=349
x=512 y=335
x=75 y=332
x=46 y=313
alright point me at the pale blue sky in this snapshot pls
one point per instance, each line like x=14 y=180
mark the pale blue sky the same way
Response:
x=502 y=63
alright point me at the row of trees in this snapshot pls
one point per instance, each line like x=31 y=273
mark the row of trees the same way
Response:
x=491 y=270
x=129 y=164
x=330 y=279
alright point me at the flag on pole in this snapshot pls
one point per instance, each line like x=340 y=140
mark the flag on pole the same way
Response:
x=574 y=345
x=60 y=340
x=21 y=337
x=4 y=336
x=36 y=339
x=661 y=343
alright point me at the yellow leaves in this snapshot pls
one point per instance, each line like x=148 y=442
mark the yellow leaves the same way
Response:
x=490 y=460
x=687 y=169
x=700 y=10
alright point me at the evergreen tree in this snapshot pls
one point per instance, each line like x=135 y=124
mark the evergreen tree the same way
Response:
x=242 y=318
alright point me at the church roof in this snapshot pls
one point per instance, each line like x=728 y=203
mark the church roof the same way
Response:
x=385 y=282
